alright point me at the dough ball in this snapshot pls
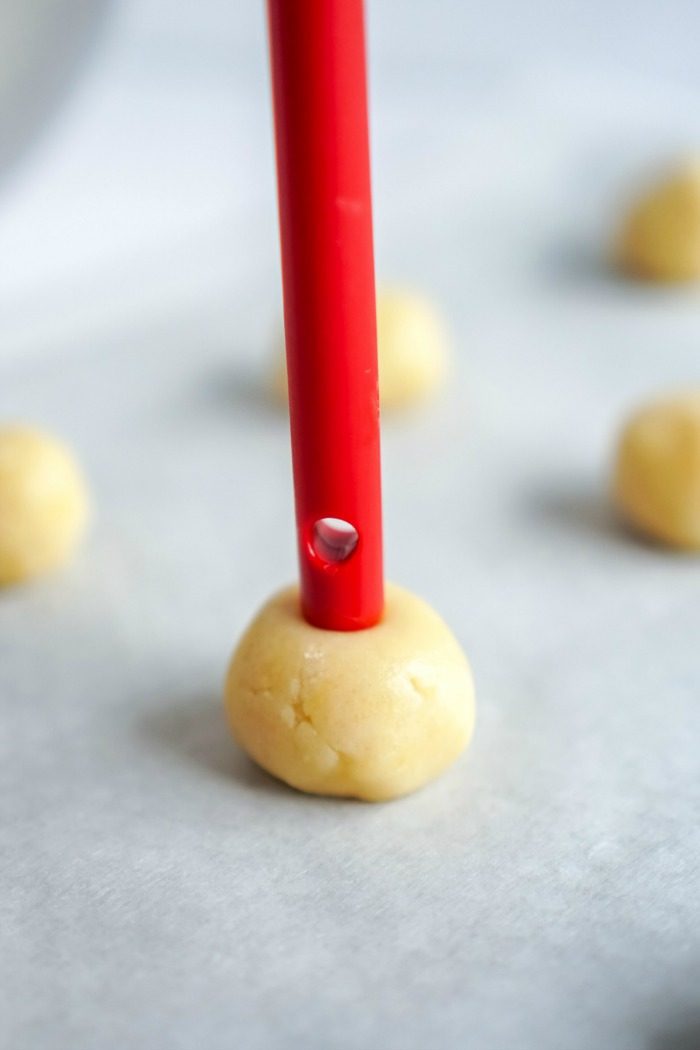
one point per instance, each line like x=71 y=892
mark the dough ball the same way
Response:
x=43 y=504
x=657 y=473
x=412 y=350
x=660 y=239
x=368 y=714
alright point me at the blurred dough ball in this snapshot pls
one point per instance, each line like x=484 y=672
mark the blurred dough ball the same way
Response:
x=657 y=473
x=660 y=238
x=412 y=348
x=43 y=504
x=367 y=714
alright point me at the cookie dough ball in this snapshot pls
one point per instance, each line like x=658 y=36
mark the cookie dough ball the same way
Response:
x=660 y=239
x=43 y=504
x=412 y=350
x=368 y=714
x=657 y=473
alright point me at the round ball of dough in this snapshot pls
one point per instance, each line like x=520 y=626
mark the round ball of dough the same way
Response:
x=412 y=350
x=367 y=714
x=660 y=239
x=657 y=473
x=43 y=504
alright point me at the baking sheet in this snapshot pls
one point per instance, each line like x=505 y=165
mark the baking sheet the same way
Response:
x=156 y=889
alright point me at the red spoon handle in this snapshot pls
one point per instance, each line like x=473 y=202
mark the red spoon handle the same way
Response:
x=320 y=103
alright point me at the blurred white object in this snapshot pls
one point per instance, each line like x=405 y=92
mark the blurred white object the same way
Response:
x=42 y=44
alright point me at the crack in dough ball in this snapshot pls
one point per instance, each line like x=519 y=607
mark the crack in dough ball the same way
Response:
x=412 y=350
x=43 y=504
x=657 y=472
x=660 y=239
x=368 y=714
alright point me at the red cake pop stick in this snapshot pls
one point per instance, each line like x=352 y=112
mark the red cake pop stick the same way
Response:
x=320 y=102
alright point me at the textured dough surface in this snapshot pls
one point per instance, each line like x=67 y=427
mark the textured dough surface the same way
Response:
x=660 y=239
x=412 y=350
x=657 y=473
x=368 y=714
x=43 y=504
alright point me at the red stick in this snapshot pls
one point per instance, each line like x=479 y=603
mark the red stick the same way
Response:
x=320 y=101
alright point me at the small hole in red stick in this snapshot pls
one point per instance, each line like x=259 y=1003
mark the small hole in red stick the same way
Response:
x=334 y=540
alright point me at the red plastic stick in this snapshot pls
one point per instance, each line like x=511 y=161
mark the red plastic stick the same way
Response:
x=320 y=101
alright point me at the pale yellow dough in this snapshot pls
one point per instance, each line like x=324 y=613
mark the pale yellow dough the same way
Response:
x=660 y=238
x=657 y=472
x=43 y=504
x=412 y=350
x=368 y=714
